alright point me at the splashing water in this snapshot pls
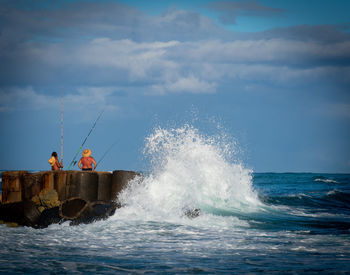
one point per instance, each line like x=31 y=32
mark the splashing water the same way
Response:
x=190 y=171
x=302 y=226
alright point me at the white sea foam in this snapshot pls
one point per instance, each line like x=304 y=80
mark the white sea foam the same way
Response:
x=303 y=248
x=326 y=180
x=189 y=170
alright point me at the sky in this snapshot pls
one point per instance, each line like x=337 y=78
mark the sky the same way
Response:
x=274 y=76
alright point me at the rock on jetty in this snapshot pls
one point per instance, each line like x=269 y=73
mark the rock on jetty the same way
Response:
x=43 y=198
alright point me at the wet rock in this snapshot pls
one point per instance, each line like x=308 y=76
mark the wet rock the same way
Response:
x=48 y=198
x=120 y=180
x=12 y=186
x=192 y=213
x=24 y=213
x=83 y=185
x=36 y=201
x=60 y=184
x=72 y=208
x=48 y=180
x=95 y=211
x=11 y=224
x=31 y=185
x=40 y=199
x=104 y=186
x=48 y=217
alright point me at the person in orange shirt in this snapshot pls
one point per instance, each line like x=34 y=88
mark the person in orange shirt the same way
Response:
x=54 y=162
x=87 y=162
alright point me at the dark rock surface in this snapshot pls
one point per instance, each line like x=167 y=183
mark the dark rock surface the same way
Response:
x=192 y=213
x=23 y=213
x=43 y=198
x=48 y=217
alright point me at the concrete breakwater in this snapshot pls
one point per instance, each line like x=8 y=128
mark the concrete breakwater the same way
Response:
x=40 y=199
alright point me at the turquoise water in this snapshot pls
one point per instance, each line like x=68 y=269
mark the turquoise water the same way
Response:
x=273 y=223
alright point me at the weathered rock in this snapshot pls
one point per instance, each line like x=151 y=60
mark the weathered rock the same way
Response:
x=60 y=183
x=192 y=213
x=120 y=180
x=43 y=198
x=31 y=185
x=103 y=210
x=36 y=200
x=48 y=180
x=72 y=208
x=95 y=211
x=83 y=185
x=48 y=217
x=12 y=186
x=49 y=198
x=104 y=186
x=24 y=213
x=11 y=224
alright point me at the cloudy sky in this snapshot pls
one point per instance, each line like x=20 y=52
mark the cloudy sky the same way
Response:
x=273 y=75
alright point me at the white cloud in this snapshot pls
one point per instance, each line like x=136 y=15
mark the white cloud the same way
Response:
x=84 y=99
x=91 y=98
x=283 y=51
x=176 y=52
x=139 y=59
x=186 y=84
x=197 y=67
x=19 y=98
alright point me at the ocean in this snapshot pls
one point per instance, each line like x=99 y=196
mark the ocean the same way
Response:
x=248 y=223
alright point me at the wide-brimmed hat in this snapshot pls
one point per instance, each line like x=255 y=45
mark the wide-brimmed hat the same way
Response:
x=52 y=161
x=87 y=153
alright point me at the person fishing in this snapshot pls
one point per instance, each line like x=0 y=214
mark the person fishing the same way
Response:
x=81 y=146
x=54 y=162
x=87 y=162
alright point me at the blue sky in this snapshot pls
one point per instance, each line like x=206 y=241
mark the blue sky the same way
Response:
x=274 y=75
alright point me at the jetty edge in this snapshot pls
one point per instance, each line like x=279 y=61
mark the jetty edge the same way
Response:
x=43 y=198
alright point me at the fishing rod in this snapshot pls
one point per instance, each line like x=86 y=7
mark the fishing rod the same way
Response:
x=81 y=146
x=62 y=128
x=105 y=153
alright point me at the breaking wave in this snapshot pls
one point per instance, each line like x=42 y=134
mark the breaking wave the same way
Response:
x=190 y=171
x=325 y=180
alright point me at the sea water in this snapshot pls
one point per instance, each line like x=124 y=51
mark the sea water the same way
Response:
x=284 y=223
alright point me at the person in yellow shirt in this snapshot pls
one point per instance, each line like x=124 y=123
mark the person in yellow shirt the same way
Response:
x=54 y=162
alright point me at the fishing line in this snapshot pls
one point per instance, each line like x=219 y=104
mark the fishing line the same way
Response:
x=105 y=153
x=92 y=128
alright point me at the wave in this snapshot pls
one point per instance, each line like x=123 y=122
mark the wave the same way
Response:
x=325 y=180
x=339 y=196
x=332 y=202
x=190 y=171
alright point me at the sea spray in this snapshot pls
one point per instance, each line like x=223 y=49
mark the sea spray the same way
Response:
x=131 y=243
x=190 y=171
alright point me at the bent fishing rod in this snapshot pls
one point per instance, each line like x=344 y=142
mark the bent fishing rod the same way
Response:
x=81 y=146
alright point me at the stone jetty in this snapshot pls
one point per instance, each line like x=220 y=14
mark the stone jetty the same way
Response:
x=43 y=198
